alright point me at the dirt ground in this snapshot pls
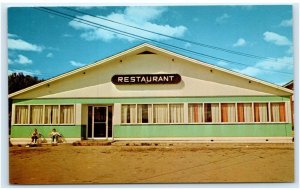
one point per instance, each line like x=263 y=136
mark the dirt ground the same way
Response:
x=169 y=163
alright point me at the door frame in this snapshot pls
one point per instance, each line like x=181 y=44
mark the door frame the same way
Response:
x=93 y=121
x=112 y=119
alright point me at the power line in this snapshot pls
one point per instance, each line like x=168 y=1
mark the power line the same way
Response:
x=96 y=25
x=180 y=39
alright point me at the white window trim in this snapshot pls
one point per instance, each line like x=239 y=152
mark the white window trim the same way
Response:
x=203 y=113
x=43 y=124
x=152 y=106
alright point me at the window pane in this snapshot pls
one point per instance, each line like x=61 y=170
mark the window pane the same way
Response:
x=261 y=113
x=211 y=112
x=176 y=113
x=128 y=113
x=36 y=114
x=67 y=114
x=244 y=112
x=195 y=113
x=160 y=113
x=228 y=112
x=144 y=113
x=21 y=115
x=51 y=114
x=278 y=112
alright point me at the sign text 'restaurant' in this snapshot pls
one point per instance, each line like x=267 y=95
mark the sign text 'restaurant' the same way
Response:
x=146 y=79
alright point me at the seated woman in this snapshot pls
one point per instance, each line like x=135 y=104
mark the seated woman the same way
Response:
x=54 y=135
x=34 y=136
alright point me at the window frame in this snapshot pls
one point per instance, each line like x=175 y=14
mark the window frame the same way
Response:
x=43 y=124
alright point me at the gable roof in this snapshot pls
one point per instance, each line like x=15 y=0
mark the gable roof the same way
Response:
x=139 y=49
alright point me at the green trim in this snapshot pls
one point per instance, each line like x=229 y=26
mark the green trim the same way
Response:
x=245 y=130
x=68 y=131
x=151 y=100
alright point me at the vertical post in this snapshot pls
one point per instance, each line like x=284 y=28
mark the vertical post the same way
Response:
x=269 y=112
x=106 y=122
x=29 y=114
x=13 y=116
x=93 y=122
x=185 y=113
x=253 y=112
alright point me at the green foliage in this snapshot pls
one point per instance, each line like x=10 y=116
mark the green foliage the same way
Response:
x=19 y=81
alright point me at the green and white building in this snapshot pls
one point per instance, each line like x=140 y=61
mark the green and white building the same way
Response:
x=149 y=93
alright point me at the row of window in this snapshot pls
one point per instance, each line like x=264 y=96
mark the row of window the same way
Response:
x=161 y=113
x=44 y=114
x=204 y=113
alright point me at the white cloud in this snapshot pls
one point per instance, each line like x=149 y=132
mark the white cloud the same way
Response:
x=9 y=61
x=276 y=39
x=18 y=44
x=282 y=63
x=67 y=35
x=240 y=42
x=222 y=63
x=266 y=66
x=251 y=71
x=290 y=50
x=286 y=23
x=187 y=45
x=23 y=60
x=76 y=64
x=49 y=55
x=129 y=17
x=25 y=72
x=12 y=35
x=195 y=19
x=222 y=18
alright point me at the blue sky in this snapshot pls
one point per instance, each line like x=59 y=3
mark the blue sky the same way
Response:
x=46 y=45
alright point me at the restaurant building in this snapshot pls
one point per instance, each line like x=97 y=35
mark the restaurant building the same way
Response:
x=149 y=93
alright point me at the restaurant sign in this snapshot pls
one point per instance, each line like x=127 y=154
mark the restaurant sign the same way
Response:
x=146 y=79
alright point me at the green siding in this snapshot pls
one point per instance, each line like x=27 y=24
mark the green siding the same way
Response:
x=246 y=130
x=25 y=131
x=151 y=100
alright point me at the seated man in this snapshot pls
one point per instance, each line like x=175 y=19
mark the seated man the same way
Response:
x=34 y=136
x=54 y=135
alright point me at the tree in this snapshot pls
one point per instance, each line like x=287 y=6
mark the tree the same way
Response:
x=16 y=82
x=19 y=81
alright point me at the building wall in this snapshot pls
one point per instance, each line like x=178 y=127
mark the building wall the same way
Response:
x=158 y=130
x=203 y=130
x=197 y=80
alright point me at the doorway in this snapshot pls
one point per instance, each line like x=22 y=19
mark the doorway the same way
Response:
x=100 y=122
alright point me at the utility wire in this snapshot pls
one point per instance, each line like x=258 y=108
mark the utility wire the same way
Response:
x=97 y=25
x=180 y=39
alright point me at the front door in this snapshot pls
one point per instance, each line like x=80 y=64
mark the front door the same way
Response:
x=99 y=122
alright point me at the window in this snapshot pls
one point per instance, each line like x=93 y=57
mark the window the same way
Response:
x=21 y=115
x=160 y=113
x=176 y=113
x=51 y=114
x=36 y=114
x=261 y=113
x=66 y=114
x=144 y=113
x=244 y=112
x=211 y=112
x=227 y=112
x=195 y=113
x=278 y=112
x=128 y=113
